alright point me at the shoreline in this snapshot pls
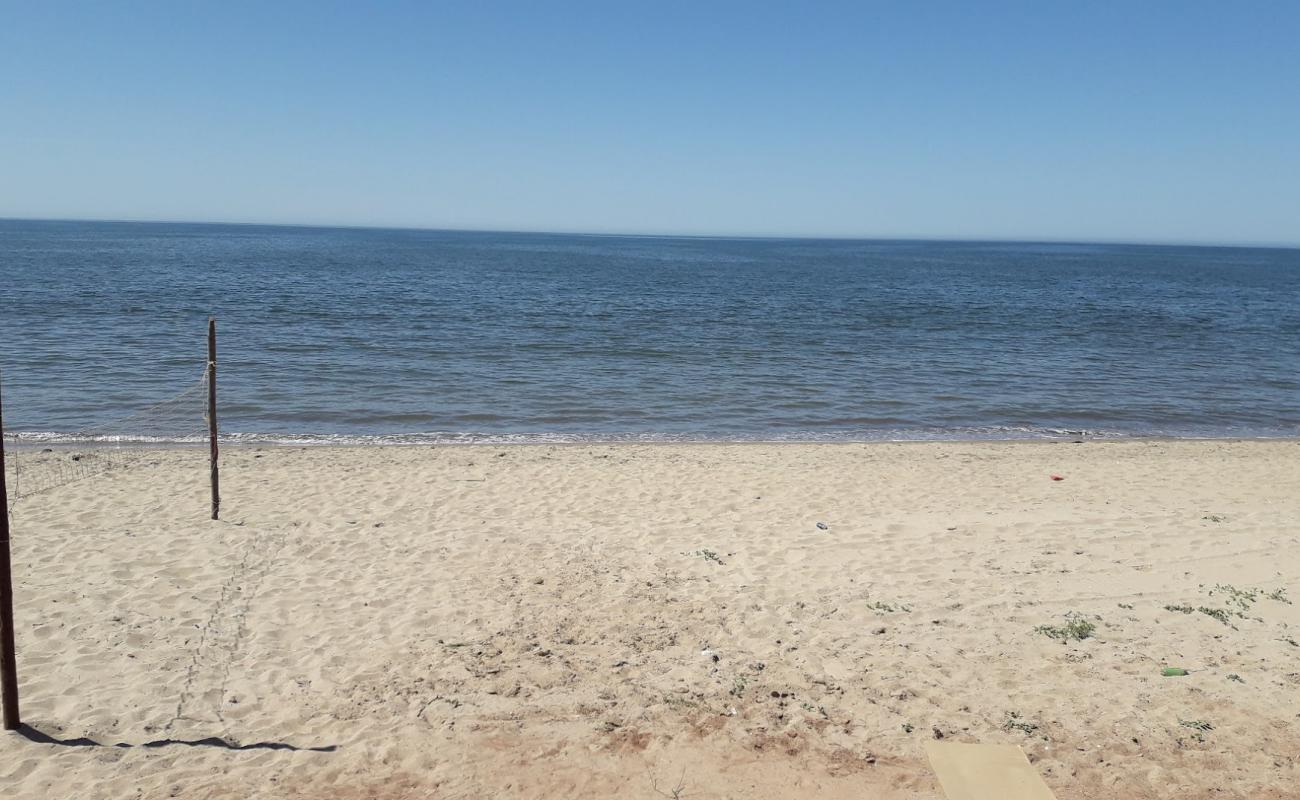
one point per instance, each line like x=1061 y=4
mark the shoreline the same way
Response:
x=18 y=441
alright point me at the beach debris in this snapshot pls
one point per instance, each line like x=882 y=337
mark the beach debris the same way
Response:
x=985 y=770
x=878 y=631
x=823 y=526
x=539 y=581
x=1057 y=478
x=1173 y=672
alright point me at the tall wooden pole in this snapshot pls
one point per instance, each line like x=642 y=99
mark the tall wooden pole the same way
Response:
x=212 y=413
x=8 y=659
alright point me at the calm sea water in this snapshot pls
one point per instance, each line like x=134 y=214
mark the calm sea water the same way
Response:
x=341 y=334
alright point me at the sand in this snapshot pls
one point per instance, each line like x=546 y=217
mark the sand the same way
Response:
x=659 y=620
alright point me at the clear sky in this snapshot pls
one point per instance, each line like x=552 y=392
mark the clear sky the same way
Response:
x=1128 y=121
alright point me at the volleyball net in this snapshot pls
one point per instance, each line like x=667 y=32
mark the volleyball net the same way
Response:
x=42 y=462
x=37 y=463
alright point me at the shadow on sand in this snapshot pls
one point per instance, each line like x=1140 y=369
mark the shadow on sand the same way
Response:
x=30 y=733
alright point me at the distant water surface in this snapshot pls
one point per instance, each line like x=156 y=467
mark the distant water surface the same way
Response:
x=392 y=335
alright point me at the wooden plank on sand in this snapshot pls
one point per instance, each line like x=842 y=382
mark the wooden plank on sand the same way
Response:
x=985 y=772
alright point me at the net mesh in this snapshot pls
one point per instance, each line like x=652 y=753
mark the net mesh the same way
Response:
x=41 y=462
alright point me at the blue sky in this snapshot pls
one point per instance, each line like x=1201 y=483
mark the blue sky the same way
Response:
x=1117 y=121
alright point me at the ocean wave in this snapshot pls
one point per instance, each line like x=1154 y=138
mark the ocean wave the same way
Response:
x=992 y=433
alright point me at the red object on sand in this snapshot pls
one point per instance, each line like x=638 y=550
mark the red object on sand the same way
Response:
x=1057 y=478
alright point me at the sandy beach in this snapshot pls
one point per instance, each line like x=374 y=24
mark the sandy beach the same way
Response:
x=641 y=621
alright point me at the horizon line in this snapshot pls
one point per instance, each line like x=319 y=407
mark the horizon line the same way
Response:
x=669 y=235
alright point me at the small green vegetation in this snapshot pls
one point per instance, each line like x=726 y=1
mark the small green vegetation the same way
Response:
x=738 y=686
x=1243 y=599
x=1236 y=678
x=812 y=709
x=1215 y=518
x=1076 y=627
x=1196 y=724
x=1128 y=606
x=707 y=555
x=1015 y=723
x=1237 y=602
x=887 y=608
x=680 y=702
x=1199 y=727
x=1221 y=614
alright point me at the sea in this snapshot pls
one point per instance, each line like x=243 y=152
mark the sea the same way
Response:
x=350 y=335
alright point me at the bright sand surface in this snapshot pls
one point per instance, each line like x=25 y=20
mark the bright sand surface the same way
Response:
x=630 y=620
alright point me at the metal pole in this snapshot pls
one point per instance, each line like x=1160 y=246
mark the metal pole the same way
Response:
x=212 y=413
x=8 y=659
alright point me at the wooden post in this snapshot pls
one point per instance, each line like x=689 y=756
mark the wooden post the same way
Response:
x=212 y=413
x=8 y=660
